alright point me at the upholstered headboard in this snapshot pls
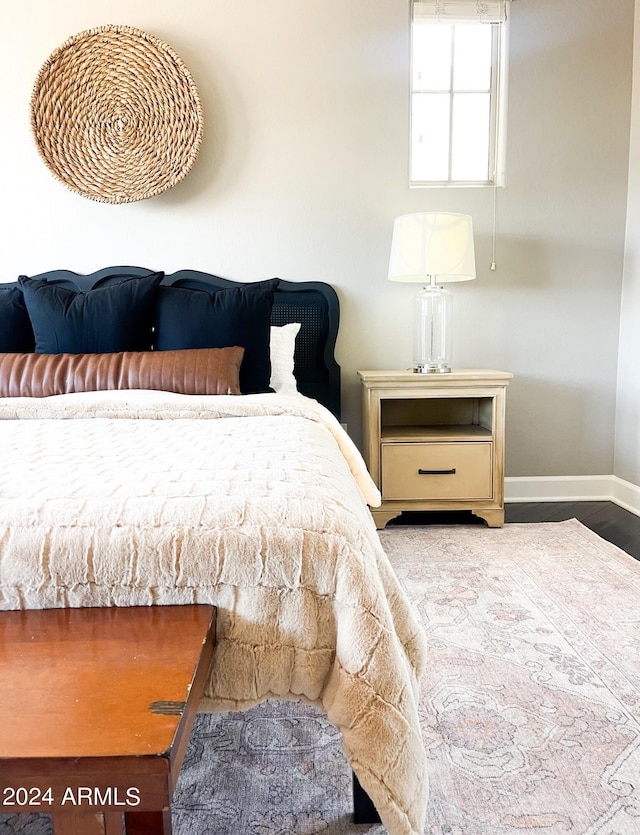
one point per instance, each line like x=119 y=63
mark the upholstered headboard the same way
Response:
x=313 y=304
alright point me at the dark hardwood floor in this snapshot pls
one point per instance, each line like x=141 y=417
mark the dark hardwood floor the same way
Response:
x=608 y=520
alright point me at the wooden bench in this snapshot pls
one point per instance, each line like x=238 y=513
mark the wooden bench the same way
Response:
x=98 y=706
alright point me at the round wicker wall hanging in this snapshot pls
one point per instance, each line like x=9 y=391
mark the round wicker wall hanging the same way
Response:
x=116 y=115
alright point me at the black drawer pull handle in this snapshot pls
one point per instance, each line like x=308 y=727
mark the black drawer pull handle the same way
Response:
x=437 y=472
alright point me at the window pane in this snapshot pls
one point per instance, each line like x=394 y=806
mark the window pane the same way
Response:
x=472 y=57
x=431 y=56
x=455 y=90
x=470 y=136
x=430 y=136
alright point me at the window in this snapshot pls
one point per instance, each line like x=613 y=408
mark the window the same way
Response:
x=458 y=82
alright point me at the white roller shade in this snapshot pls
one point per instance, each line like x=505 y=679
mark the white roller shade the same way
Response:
x=459 y=11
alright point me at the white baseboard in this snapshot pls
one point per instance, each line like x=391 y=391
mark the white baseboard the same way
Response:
x=626 y=494
x=607 y=488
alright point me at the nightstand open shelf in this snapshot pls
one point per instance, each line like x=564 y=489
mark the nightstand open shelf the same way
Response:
x=435 y=433
x=435 y=442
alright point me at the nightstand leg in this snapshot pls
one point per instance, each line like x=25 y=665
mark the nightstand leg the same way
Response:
x=381 y=517
x=493 y=518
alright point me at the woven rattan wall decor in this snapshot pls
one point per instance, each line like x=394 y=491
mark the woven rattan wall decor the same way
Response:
x=116 y=115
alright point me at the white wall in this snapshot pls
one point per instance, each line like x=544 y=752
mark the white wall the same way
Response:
x=304 y=166
x=627 y=449
x=563 y=215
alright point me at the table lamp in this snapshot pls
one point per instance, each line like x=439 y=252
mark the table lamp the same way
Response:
x=432 y=248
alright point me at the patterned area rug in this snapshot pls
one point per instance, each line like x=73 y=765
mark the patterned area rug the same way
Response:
x=530 y=706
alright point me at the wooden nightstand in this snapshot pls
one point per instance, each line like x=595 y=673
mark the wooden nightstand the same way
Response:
x=436 y=441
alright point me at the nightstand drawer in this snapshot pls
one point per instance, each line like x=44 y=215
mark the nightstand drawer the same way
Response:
x=437 y=471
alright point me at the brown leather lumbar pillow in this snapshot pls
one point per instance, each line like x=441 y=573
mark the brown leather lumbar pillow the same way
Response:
x=189 y=371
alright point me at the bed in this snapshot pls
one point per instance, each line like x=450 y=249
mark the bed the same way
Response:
x=176 y=439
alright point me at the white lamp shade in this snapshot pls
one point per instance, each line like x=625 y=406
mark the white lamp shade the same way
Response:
x=432 y=244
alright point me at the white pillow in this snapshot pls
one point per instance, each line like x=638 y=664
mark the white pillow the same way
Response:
x=281 y=345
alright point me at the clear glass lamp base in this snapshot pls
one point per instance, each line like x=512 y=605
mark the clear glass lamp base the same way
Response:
x=432 y=331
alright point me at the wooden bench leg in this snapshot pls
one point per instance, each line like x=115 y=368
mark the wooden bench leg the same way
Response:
x=148 y=823
x=87 y=823
x=363 y=809
x=113 y=823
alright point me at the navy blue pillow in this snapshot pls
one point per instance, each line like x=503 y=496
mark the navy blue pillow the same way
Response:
x=105 y=320
x=16 y=333
x=241 y=316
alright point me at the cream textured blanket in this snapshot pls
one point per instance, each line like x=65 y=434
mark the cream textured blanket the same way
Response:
x=256 y=504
